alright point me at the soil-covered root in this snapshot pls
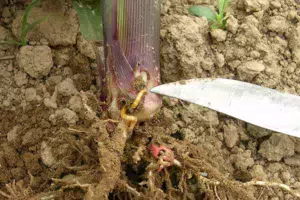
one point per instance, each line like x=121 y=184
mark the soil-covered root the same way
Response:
x=110 y=151
x=214 y=185
x=16 y=190
x=204 y=172
x=111 y=141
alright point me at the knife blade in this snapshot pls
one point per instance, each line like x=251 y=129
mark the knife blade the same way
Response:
x=264 y=107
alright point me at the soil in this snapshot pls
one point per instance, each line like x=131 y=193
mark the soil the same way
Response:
x=55 y=142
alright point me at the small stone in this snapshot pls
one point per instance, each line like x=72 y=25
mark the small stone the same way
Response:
x=293 y=161
x=199 y=115
x=33 y=43
x=231 y=135
x=292 y=15
x=207 y=64
x=43 y=41
x=288 y=197
x=297 y=146
x=54 y=80
x=275 y=198
x=168 y=114
x=190 y=135
x=254 y=54
x=27 y=138
x=232 y=24
x=278 y=24
x=31 y=162
x=275 y=4
x=256 y=5
x=13 y=134
x=85 y=47
x=10 y=154
x=274 y=167
x=174 y=128
x=36 y=61
x=6 y=12
x=46 y=155
x=30 y=95
x=67 y=88
x=243 y=136
x=75 y=103
x=294 y=43
x=49 y=103
x=257 y=132
x=64 y=114
x=220 y=136
x=286 y=176
x=296 y=185
x=277 y=147
x=5 y=35
x=243 y=161
x=20 y=78
x=220 y=60
x=68 y=71
x=70 y=116
x=218 y=35
x=63 y=55
x=248 y=70
x=257 y=171
x=6 y=103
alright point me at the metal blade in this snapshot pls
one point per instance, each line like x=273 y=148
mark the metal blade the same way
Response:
x=257 y=105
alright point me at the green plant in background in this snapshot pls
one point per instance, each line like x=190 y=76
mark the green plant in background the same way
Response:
x=217 y=20
x=89 y=14
x=27 y=27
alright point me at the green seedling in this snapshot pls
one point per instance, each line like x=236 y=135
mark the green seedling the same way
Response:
x=27 y=27
x=217 y=20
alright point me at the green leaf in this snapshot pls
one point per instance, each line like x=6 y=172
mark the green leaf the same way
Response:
x=89 y=13
x=218 y=18
x=25 y=18
x=222 y=5
x=214 y=26
x=202 y=11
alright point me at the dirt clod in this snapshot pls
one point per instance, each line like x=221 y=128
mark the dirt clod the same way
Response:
x=256 y=5
x=242 y=161
x=59 y=28
x=64 y=114
x=293 y=161
x=5 y=35
x=67 y=88
x=36 y=61
x=85 y=47
x=278 y=24
x=46 y=155
x=231 y=135
x=294 y=43
x=248 y=70
x=218 y=35
x=31 y=95
x=277 y=147
x=257 y=132
x=232 y=24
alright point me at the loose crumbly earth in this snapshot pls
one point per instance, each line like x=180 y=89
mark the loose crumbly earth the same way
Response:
x=54 y=143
